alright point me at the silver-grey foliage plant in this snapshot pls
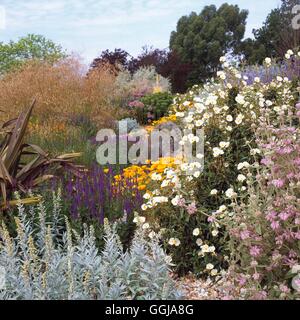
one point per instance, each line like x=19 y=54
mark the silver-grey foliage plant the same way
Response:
x=48 y=260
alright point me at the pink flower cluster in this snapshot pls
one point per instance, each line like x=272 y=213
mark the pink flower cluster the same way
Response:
x=269 y=242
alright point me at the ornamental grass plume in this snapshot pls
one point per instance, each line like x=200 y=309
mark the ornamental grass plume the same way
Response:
x=61 y=90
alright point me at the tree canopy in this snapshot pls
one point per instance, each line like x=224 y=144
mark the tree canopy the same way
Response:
x=201 y=39
x=275 y=37
x=14 y=54
x=117 y=58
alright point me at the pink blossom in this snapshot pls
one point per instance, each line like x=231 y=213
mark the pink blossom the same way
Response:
x=211 y=219
x=181 y=202
x=261 y=295
x=284 y=288
x=297 y=235
x=192 y=209
x=275 y=225
x=290 y=176
x=256 y=276
x=284 y=215
x=297 y=161
x=266 y=161
x=297 y=282
x=242 y=280
x=136 y=104
x=278 y=183
x=255 y=251
x=227 y=298
x=272 y=215
x=245 y=234
x=285 y=150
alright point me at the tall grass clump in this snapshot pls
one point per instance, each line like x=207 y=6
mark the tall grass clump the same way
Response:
x=61 y=90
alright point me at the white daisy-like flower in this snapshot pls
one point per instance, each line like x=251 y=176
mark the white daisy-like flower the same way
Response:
x=180 y=114
x=139 y=220
x=296 y=269
x=196 y=232
x=222 y=208
x=239 y=119
x=229 y=118
x=177 y=242
x=205 y=248
x=209 y=266
x=241 y=178
x=221 y=75
x=268 y=61
x=217 y=152
x=165 y=183
x=196 y=174
x=199 y=242
x=230 y=193
x=146 y=226
x=171 y=242
x=214 y=272
x=240 y=99
x=224 y=145
x=147 y=196
x=175 y=201
x=212 y=249
x=152 y=234
x=243 y=165
x=144 y=207
x=215 y=233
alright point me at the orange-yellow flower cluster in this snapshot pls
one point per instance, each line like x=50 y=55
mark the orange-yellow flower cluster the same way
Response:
x=142 y=174
x=162 y=120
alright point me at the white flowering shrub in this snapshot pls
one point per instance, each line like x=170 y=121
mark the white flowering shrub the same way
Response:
x=194 y=206
x=46 y=259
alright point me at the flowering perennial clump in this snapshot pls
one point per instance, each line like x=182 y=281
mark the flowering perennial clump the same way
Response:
x=229 y=110
x=145 y=174
x=265 y=231
x=98 y=195
x=47 y=260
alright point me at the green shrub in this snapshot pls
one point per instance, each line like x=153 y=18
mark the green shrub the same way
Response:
x=156 y=105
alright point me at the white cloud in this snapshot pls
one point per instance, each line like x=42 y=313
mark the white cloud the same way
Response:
x=89 y=26
x=2 y=18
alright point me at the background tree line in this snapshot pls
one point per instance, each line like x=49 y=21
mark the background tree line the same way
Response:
x=195 y=46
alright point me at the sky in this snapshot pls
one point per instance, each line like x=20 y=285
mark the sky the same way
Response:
x=89 y=26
